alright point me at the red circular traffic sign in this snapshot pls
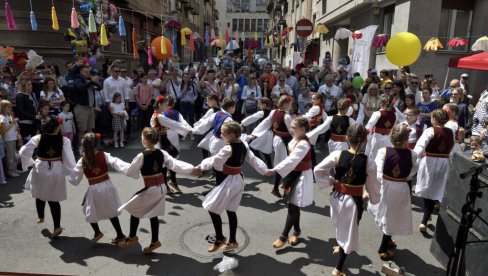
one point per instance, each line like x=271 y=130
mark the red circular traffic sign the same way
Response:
x=304 y=27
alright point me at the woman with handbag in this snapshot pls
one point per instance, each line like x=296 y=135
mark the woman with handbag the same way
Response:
x=251 y=93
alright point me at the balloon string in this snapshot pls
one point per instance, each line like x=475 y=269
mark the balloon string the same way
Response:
x=30 y=1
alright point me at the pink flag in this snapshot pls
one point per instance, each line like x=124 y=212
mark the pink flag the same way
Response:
x=212 y=35
x=191 y=45
x=10 y=18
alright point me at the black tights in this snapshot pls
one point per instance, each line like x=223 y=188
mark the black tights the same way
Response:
x=172 y=175
x=205 y=153
x=115 y=223
x=384 y=243
x=293 y=219
x=341 y=260
x=217 y=223
x=428 y=208
x=134 y=224
x=55 y=211
x=267 y=157
x=277 y=182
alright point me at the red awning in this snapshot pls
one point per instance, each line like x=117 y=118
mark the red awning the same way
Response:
x=475 y=61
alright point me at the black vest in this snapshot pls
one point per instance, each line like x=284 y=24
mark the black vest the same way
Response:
x=50 y=146
x=153 y=162
x=238 y=156
x=266 y=114
x=339 y=124
x=359 y=167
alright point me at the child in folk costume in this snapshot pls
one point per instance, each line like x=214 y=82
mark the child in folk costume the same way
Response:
x=101 y=200
x=263 y=143
x=380 y=125
x=356 y=111
x=395 y=165
x=214 y=122
x=149 y=202
x=168 y=130
x=415 y=126
x=46 y=180
x=353 y=172
x=170 y=141
x=279 y=123
x=338 y=125
x=452 y=111
x=316 y=114
x=227 y=195
x=296 y=170
x=434 y=147
x=213 y=107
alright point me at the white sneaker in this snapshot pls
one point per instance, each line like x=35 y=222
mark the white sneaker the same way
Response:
x=116 y=145
x=122 y=144
x=12 y=175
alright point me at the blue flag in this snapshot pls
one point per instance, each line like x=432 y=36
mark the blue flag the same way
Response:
x=207 y=39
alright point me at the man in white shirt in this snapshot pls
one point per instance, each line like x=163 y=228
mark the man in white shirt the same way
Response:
x=332 y=94
x=413 y=88
x=132 y=100
x=172 y=84
x=115 y=84
x=292 y=82
x=155 y=82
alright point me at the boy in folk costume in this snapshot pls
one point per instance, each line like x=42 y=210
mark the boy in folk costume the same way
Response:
x=279 y=123
x=263 y=143
x=213 y=107
x=415 y=126
x=46 y=180
x=214 y=122
x=168 y=130
x=452 y=111
x=101 y=200
x=150 y=201
x=171 y=142
x=296 y=170
x=338 y=125
x=354 y=171
x=227 y=164
x=395 y=165
x=433 y=148
x=380 y=125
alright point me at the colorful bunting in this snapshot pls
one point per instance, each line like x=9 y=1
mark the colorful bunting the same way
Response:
x=457 y=41
x=10 y=18
x=227 y=36
x=103 y=36
x=380 y=40
x=236 y=36
x=212 y=35
x=149 y=56
x=175 y=47
x=54 y=18
x=122 y=31
x=92 y=26
x=433 y=44
x=191 y=46
x=207 y=39
x=134 y=44
x=75 y=24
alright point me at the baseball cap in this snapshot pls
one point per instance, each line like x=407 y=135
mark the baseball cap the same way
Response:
x=464 y=76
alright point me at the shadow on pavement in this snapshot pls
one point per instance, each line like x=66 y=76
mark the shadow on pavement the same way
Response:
x=414 y=264
x=13 y=186
x=79 y=249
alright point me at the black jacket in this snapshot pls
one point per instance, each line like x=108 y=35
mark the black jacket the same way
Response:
x=26 y=109
x=82 y=88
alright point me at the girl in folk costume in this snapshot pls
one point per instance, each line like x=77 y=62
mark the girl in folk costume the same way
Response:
x=380 y=125
x=228 y=163
x=170 y=141
x=316 y=114
x=353 y=172
x=395 y=165
x=434 y=147
x=101 y=200
x=338 y=125
x=452 y=111
x=263 y=143
x=298 y=180
x=356 y=110
x=278 y=124
x=213 y=107
x=46 y=180
x=214 y=122
x=149 y=202
x=168 y=130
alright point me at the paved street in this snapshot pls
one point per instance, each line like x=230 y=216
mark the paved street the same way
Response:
x=26 y=247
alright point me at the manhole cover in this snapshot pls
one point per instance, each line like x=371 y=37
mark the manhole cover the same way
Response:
x=197 y=238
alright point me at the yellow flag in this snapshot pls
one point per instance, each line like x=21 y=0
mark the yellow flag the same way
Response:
x=183 y=37
x=163 y=46
x=54 y=17
x=103 y=36
x=256 y=36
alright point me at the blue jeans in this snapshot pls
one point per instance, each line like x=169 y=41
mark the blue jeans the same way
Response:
x=188 y=112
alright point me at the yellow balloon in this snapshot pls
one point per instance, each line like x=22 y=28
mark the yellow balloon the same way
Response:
x=403 y=49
